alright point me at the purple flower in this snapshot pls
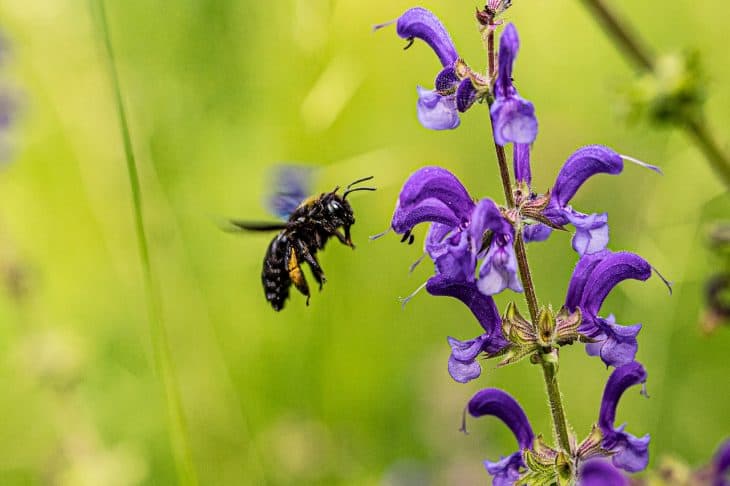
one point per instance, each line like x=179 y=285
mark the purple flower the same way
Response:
x=594 y=277
x=463 y=365
x=454 y=243
x=598 y=472
x=438 y=108
x=591 y=230
x=513 y=117
x=455 y=240
x=629 y=453
x=721 y=465
x=500 y=404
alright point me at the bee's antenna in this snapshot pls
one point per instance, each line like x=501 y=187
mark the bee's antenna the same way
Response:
x=359 y=181
x=357 y=189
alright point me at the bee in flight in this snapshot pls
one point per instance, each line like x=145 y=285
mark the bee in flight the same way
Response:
x=310 y=223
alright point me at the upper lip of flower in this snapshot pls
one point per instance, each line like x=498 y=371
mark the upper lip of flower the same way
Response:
x=593 y=279
x=630 y=453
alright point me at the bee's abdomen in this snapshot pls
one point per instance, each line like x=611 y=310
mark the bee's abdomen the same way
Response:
x=275 y=274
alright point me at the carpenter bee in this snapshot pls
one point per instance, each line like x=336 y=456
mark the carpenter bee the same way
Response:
x=309 y=223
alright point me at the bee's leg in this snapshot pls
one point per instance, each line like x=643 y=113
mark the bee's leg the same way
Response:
x=343 y=239
x=311 y=259
x=295 y=272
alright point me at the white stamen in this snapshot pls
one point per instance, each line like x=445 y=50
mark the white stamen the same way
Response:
x=380 y=235
x=405 y=300
x=642 y=164
x=384 y=24
x=415 y=264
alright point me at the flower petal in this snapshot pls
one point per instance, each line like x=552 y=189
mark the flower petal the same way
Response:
x=500 y=404
x=446 y=80
x=432 y=194
x=613 y=269
x=505 y=472
x=581 y=273
x=464 y=371
x=591 y=231
x=509 y=45
x=597 y=472
x=466 y=95
x=721 y=464
x=487 y=216
x=514 y=120
x=614 y=343
x=499 y=270
x=483 y=308
x=521 y=160
x=437 y=112
x=630 y=453
x=453 y=257
x=584 y=163
x=536 y=232
x=419 y=23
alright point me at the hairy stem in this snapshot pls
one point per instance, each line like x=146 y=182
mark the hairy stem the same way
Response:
x=160 y=346
x=635 y=50
x=549 y=367
x=550 y=374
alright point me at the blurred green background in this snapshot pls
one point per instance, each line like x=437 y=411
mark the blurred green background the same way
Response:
x=352 y=389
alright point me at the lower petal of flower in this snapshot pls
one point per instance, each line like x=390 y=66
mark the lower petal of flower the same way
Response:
x=536 y=232
x=437 y=112
x=591 y=231
x=499 y=270
x=464 y=371
x=630 y=453
x=598 y=472
x=514 y=120
x=507 y=471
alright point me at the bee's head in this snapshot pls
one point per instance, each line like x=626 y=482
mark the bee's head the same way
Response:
x=339 y=209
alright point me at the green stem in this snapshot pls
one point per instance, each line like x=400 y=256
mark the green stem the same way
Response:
x=702 y=136
x=160 y=346
x=636 y=51
x=549 y=367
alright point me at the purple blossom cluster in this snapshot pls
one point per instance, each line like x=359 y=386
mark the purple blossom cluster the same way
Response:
x=472 y=243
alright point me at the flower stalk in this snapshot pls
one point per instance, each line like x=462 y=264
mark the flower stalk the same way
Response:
x=548 y=362
x=635 y=50
x=177 y=425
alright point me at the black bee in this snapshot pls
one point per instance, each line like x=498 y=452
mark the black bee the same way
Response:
x=310 y=223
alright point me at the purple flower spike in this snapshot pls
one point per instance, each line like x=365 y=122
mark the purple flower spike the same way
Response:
x=500 y=404
x=513 y=117
x=432 y=194
x=592 y=280
x=597 y=472
x=630 y=453
x=419 y=23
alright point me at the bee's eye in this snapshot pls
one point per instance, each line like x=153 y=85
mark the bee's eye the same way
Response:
x=334 y=206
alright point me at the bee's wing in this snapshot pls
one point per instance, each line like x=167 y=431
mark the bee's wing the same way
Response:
x=291 y=184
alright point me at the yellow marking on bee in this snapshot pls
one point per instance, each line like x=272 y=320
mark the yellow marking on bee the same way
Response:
x=308 y=201
x=295 y=271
